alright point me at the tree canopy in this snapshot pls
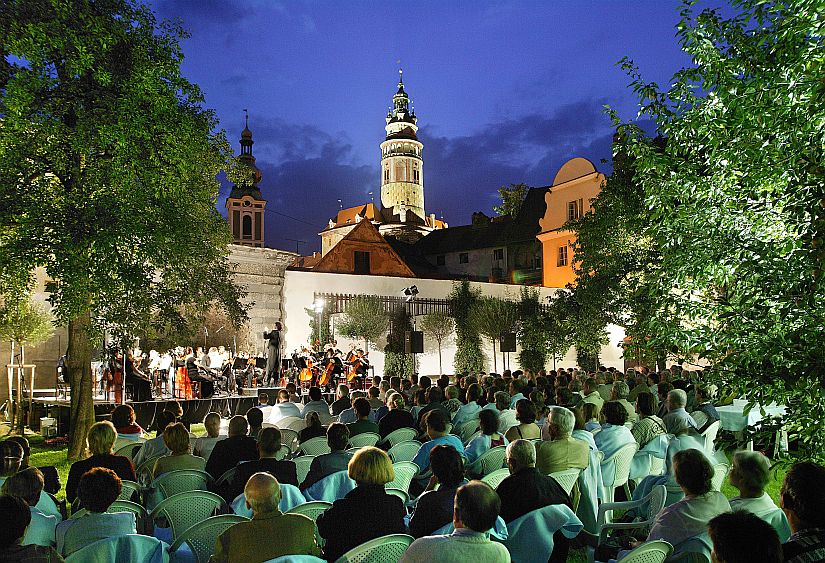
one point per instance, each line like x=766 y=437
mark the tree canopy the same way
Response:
x=108 y=165
x=512 y=197
x=365 y=318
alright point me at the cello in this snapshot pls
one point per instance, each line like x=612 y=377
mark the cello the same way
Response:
x=308 y=371
x=325 y=377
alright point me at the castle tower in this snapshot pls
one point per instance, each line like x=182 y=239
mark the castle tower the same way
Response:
x=402 y=165
x=245 y=204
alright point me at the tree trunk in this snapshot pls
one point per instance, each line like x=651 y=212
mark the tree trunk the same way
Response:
x=440 y=369
x=495 y=367
x=82 y=414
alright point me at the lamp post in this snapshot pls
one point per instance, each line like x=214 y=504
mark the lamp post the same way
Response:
x=318 y=307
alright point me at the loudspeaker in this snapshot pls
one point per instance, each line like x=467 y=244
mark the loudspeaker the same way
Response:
x=507 y=342
x=414 y=342
x=272 y=393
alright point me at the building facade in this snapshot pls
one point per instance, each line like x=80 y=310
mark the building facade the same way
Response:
x=245 y=205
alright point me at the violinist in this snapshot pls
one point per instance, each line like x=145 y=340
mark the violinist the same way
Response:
x=140 y=382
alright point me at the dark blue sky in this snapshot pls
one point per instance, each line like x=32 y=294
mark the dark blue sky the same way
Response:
x=505 y=92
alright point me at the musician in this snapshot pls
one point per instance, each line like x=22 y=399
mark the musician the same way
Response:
x=140 y=382
x=273 y=353
x=361 y=363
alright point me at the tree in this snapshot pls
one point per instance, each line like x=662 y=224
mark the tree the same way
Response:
x=366 y=319
x=108 y=165
x=736 y=204
x=468 y=356
x=396 y=360
x=532 y=334
x=439 y=327
x=491 y=316
x=511 y=199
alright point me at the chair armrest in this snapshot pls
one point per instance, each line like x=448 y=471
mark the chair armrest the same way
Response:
x=625 y=505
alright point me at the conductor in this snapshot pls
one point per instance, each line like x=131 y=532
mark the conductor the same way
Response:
x=273 y=353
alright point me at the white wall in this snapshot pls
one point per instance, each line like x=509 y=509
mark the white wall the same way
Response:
x=300 y=286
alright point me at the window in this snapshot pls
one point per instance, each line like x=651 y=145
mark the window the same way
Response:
x=247 y=227
x=574 y=209
x=562 y=261
x=498 y=254
x=440 y=260
x=386 y=175
x=463 y=258
x=416 y=177
x=362 y=262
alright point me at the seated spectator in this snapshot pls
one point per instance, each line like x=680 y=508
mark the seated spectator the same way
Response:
x=434 y=507
x=348 y=416
x=515 y=391
x=284 y=408
x=255 y=419
x=363 y=424
x=434 y=397
x=476 y=510
x=269 y=445
x=526 y=429
x=154 y=447
x=28 y=485
x=619 y=394
x=15 y=518
x=285 y=534
x=419 y=402
x=506 y=415
x=649 y=425
x=526 y=489
x=802 y=498
x=396 y=417
x=368 y=504
x=50 y=476
x=676 y=413
x=539 y=403
x=101 y=438
x=263 y=405
x=337 y=460
x=451 y=402
x=640 y=385
x=98 y=489
x=314 y=428
x=375 y=394
x=560 y=451
x=590 y=393
x=705 y=406
x=128 y=430
x=470 y=410
x=342 y=401
x=614 y=434
x=750 y=473
x=316 y=403
x=230 y=452
x=176 y=439
x=489 y=437
x=292 y=393
x=436 y=428
x=204 y=445
x=591 y=417
x=662 y=391
x=741 y=537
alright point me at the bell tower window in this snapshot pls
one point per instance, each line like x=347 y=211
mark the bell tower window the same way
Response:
x=247 y=227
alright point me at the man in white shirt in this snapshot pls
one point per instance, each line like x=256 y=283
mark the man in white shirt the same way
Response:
x=28 y=484
x=676 y=401
x=591 y=395
x=283 y=408
x=316 y=403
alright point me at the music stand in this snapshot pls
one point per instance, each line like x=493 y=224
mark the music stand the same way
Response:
x=239 y=363
x=260 y=363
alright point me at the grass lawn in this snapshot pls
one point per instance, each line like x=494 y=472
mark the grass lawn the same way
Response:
x=43 y=454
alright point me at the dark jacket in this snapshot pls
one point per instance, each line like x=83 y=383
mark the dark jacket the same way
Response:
x=361 y=426
x=326 y=464
x=230 y=452
x=432 y=407
x=117 y=463
x=284 y=471
x=394 y=420
x=367 y=512
x=433 y=510
x=528 y=490
x=340 y=405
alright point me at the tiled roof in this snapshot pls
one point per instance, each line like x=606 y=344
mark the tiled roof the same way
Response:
x=347 y=216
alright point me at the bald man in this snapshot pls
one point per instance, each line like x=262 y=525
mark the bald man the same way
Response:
x=285 y=534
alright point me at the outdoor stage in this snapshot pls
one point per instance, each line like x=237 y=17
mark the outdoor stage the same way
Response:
x=194 y=410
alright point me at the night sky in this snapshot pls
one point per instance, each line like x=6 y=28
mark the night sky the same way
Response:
x=505 y=92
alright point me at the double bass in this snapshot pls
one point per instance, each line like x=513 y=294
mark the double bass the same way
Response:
x=308 y=371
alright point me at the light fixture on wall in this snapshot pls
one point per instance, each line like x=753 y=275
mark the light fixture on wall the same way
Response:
x=409 y=293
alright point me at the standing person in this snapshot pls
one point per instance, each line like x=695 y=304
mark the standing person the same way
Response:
x=273 y=353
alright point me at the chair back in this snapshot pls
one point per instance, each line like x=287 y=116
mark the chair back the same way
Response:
x=313 y=510
x=699 y=418
x=326 y=418
x=289 y=438
x=117 y=506
x=129 y=488
x=496 y=477
x=186 y=509
x=180 y=481
x=567 y=479
x=364 y=439
x=488 y=462
x=650 y=460
x=400 y=435
x=143 y=473
x=710 y=435
x=315 y=446
x=202 y=537
x=386 y=549
x=649 y=552
x=296 y=559
x=292 y=423
x=620 y=463
x=467 y=429
x=403 y=495
x=720 y=471
x=130 y=450
x=531 y=535
x=134 y=548
x=302 y=465
x=330 y=488
x=693 y=550
x=404 y=471
x=404 y=451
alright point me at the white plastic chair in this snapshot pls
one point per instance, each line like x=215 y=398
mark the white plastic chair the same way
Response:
x=302 y=466
x=620 y=461
x=330 y=488
x=202 y=537
x=289 y=438
x=386 y=549
x=487 y=462
x=710 y=436
x=403 y=495
x=720 y=471
x=404 y=471
x=400 y=435
x=130 y=449
x=650 y=460
x=495 y=478
x=186 y=509
x=295 y=423
x=312 y=510
x=531 y=536
x=129 y=488
x=567 y=479
x=655 y=551
x=404 y=451
x=134 y=548
x=315 y=446
x=499 y=530
x=364 y=439
x=467 y=429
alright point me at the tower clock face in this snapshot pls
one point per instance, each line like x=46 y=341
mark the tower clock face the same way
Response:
x=247 y=203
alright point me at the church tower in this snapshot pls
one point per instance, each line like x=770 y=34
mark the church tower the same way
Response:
x=245 y=204
x=402 y=170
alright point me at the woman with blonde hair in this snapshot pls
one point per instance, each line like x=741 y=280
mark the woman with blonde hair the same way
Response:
x=176 y=439
x=396 y=417
x=101 y=438
x=367 y=511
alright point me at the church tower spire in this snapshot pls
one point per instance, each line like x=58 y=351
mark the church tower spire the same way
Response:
x=402 y=170
x=245 y=205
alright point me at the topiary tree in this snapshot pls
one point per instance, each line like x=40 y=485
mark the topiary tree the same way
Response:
x=468 y=355
x=491 y=316
x=439 y=327
x=365 y=318
x=396 y=360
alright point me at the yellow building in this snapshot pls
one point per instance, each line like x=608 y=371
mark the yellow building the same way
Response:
x=575 y=185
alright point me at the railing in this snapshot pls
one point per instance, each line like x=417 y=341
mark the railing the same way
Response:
x=337 y=303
